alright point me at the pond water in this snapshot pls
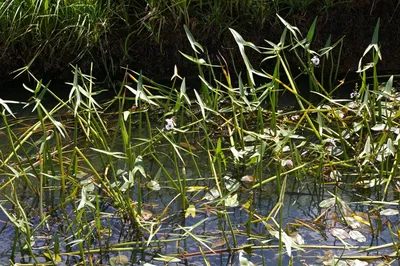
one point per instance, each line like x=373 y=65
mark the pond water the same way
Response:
x=301 y=214
x=200 y=214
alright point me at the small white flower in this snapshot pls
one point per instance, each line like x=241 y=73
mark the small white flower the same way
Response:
x=354 y=95
x=170 y=124
x=315 y=60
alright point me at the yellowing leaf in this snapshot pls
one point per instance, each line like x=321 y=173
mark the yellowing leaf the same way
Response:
x=191 y=210
x=51 y=256
x=195 y=188
x=361 y=220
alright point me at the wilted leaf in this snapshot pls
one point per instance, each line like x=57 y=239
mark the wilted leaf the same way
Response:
x=218 y=243
x=248 y=179
x=146 y=215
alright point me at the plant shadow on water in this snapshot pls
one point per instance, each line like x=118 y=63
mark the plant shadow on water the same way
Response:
x=160 y=175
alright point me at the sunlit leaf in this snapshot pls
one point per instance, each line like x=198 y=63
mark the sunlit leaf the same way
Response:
x=139 y=166
x=52 y=257
x=297 y=238
x=379 y=127
x=218 y=243
x=153 y=185
x=244 y=261
x=289 y=242
x=389 y=212
x=167 y=258
x=327 y=203
x=119 y=155
x=339 y=233
x=190 y=211
x=231 y=201
x=356 y=262
x=352 y=222
x=193 y=43
x=236 y=154
x=232 y=185
x=361 y=220
x=195 y=188
x=119 y=260
x=212 y=194
x=356 y=235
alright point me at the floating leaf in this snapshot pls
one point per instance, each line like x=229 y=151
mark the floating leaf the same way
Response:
x=244 y=261
x=356 y=263
x=327 y=203
x=153 y=185
x=167 y=258
x=212 y=194
x=297 y=238
x=339 y=233
x=352 y=222
x=146 y=215
x=190 y=211
x=289 y=242
x=389 y=212
x=356 y=235
x=119 y=260
x=231 y=201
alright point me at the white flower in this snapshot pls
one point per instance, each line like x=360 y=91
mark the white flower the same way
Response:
x=354 y=95
x=170 y=124
x=315 y=60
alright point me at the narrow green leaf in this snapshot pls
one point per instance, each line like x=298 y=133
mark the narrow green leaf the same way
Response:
x=311 y=31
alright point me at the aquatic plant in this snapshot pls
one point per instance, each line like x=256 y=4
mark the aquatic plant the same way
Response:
x=166 y=173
